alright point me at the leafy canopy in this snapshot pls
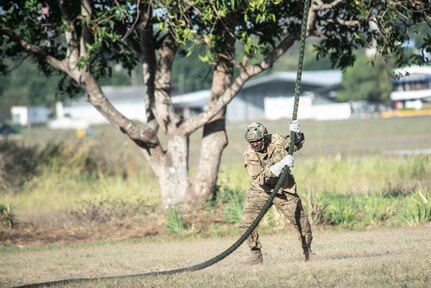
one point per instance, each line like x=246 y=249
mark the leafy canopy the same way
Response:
x=257 y=25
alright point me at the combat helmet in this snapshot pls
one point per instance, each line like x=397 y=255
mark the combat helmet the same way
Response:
x=255 y=132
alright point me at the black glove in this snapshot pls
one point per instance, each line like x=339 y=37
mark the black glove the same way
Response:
x=298 y=137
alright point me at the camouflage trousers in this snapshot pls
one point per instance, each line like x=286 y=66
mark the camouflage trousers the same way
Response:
x=288 y=202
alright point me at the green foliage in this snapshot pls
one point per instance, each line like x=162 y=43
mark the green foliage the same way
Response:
x=340 y=210
x=363 y=175
x=368 y=79
x=22 y=163
x=258 y=26
x=174 y=220
x=416 y=208
x=229 y=197
x=360 y=211
x=7 y=217
x=232 y=201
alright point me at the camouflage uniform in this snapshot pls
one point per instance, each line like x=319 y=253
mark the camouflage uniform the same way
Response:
x=287 y=200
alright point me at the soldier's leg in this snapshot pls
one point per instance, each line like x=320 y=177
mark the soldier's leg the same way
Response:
x=253 y=204
x=291 y=206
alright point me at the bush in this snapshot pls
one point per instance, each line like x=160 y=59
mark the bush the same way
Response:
x=19 y=164
x=174 y=220
x=7 y=217
x=231 y=200
x=416 y=208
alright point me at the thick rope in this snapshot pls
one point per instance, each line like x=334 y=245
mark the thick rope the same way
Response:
x=259 y=217
x=299 y=71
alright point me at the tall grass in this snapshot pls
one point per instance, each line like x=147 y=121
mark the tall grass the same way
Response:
x=363 y=175
x=70 y=183
x=74 y=179
x=174 y=220
x=352 y=192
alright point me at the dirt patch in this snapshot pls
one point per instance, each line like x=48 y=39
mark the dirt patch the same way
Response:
x=99 y=226
x=30 y=234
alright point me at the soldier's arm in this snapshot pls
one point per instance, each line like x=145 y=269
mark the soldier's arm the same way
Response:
x=260 y=175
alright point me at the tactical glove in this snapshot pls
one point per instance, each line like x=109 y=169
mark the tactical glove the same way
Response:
x=298 y=138
x=295 y=127
x=277 y=167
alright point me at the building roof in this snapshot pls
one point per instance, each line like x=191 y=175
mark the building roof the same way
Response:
x=193 y=99
x=414 y=70
x=327 y=79
x=412 y=74
x=322 y=78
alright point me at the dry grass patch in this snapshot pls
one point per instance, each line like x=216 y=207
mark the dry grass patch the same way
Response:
x=378 y=258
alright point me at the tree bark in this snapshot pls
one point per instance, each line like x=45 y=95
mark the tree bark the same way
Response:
x=214 y=138
x=172 y=170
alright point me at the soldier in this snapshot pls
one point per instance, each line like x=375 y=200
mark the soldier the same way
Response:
x=264 y=159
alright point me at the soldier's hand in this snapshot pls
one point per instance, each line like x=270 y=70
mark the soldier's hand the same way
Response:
x=295 y=127
x=288 y=161
x=277 y=167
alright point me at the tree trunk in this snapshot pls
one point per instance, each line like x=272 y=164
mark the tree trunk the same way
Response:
x=214 y=139
x=172 y=172
x=213 y=143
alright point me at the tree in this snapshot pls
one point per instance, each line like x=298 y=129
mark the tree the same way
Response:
x=25 y=85
x=368 y=79
x=83 y=39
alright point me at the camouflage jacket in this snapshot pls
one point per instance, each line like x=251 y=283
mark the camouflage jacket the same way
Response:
x=258 y=163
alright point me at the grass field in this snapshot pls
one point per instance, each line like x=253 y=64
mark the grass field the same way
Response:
x=367 y=175
x=354 y=137
x=377 y=258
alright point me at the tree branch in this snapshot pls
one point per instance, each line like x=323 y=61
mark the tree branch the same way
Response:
x=321 y=5
x=343 y=22
x=318 y=5
x=85 y=35
x=163 y=109
x=147 y=47
x=145 y=138
x=35 y=50
x=194 y=123
x=71 y=36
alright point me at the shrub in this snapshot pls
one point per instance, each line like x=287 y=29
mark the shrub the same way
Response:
x=7 y=217
x=20 y=164
x=174 y=220
x=416 y=208
x=231 y=200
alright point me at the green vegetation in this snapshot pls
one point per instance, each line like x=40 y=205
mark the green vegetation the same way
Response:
x=352 y=193
x=368 y=80
x=93 y=181
x=7 y=217
x=362 y=211
x=175 y=221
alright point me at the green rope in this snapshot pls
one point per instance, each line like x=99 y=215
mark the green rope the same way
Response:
x=299 y=71
x=262 y=213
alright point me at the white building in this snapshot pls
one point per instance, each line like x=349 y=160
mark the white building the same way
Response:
x=129 y=100
x=412 y=89
x=271 y=97
x=28 y=116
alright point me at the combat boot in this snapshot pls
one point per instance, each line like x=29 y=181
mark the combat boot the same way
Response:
x=255 y=258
